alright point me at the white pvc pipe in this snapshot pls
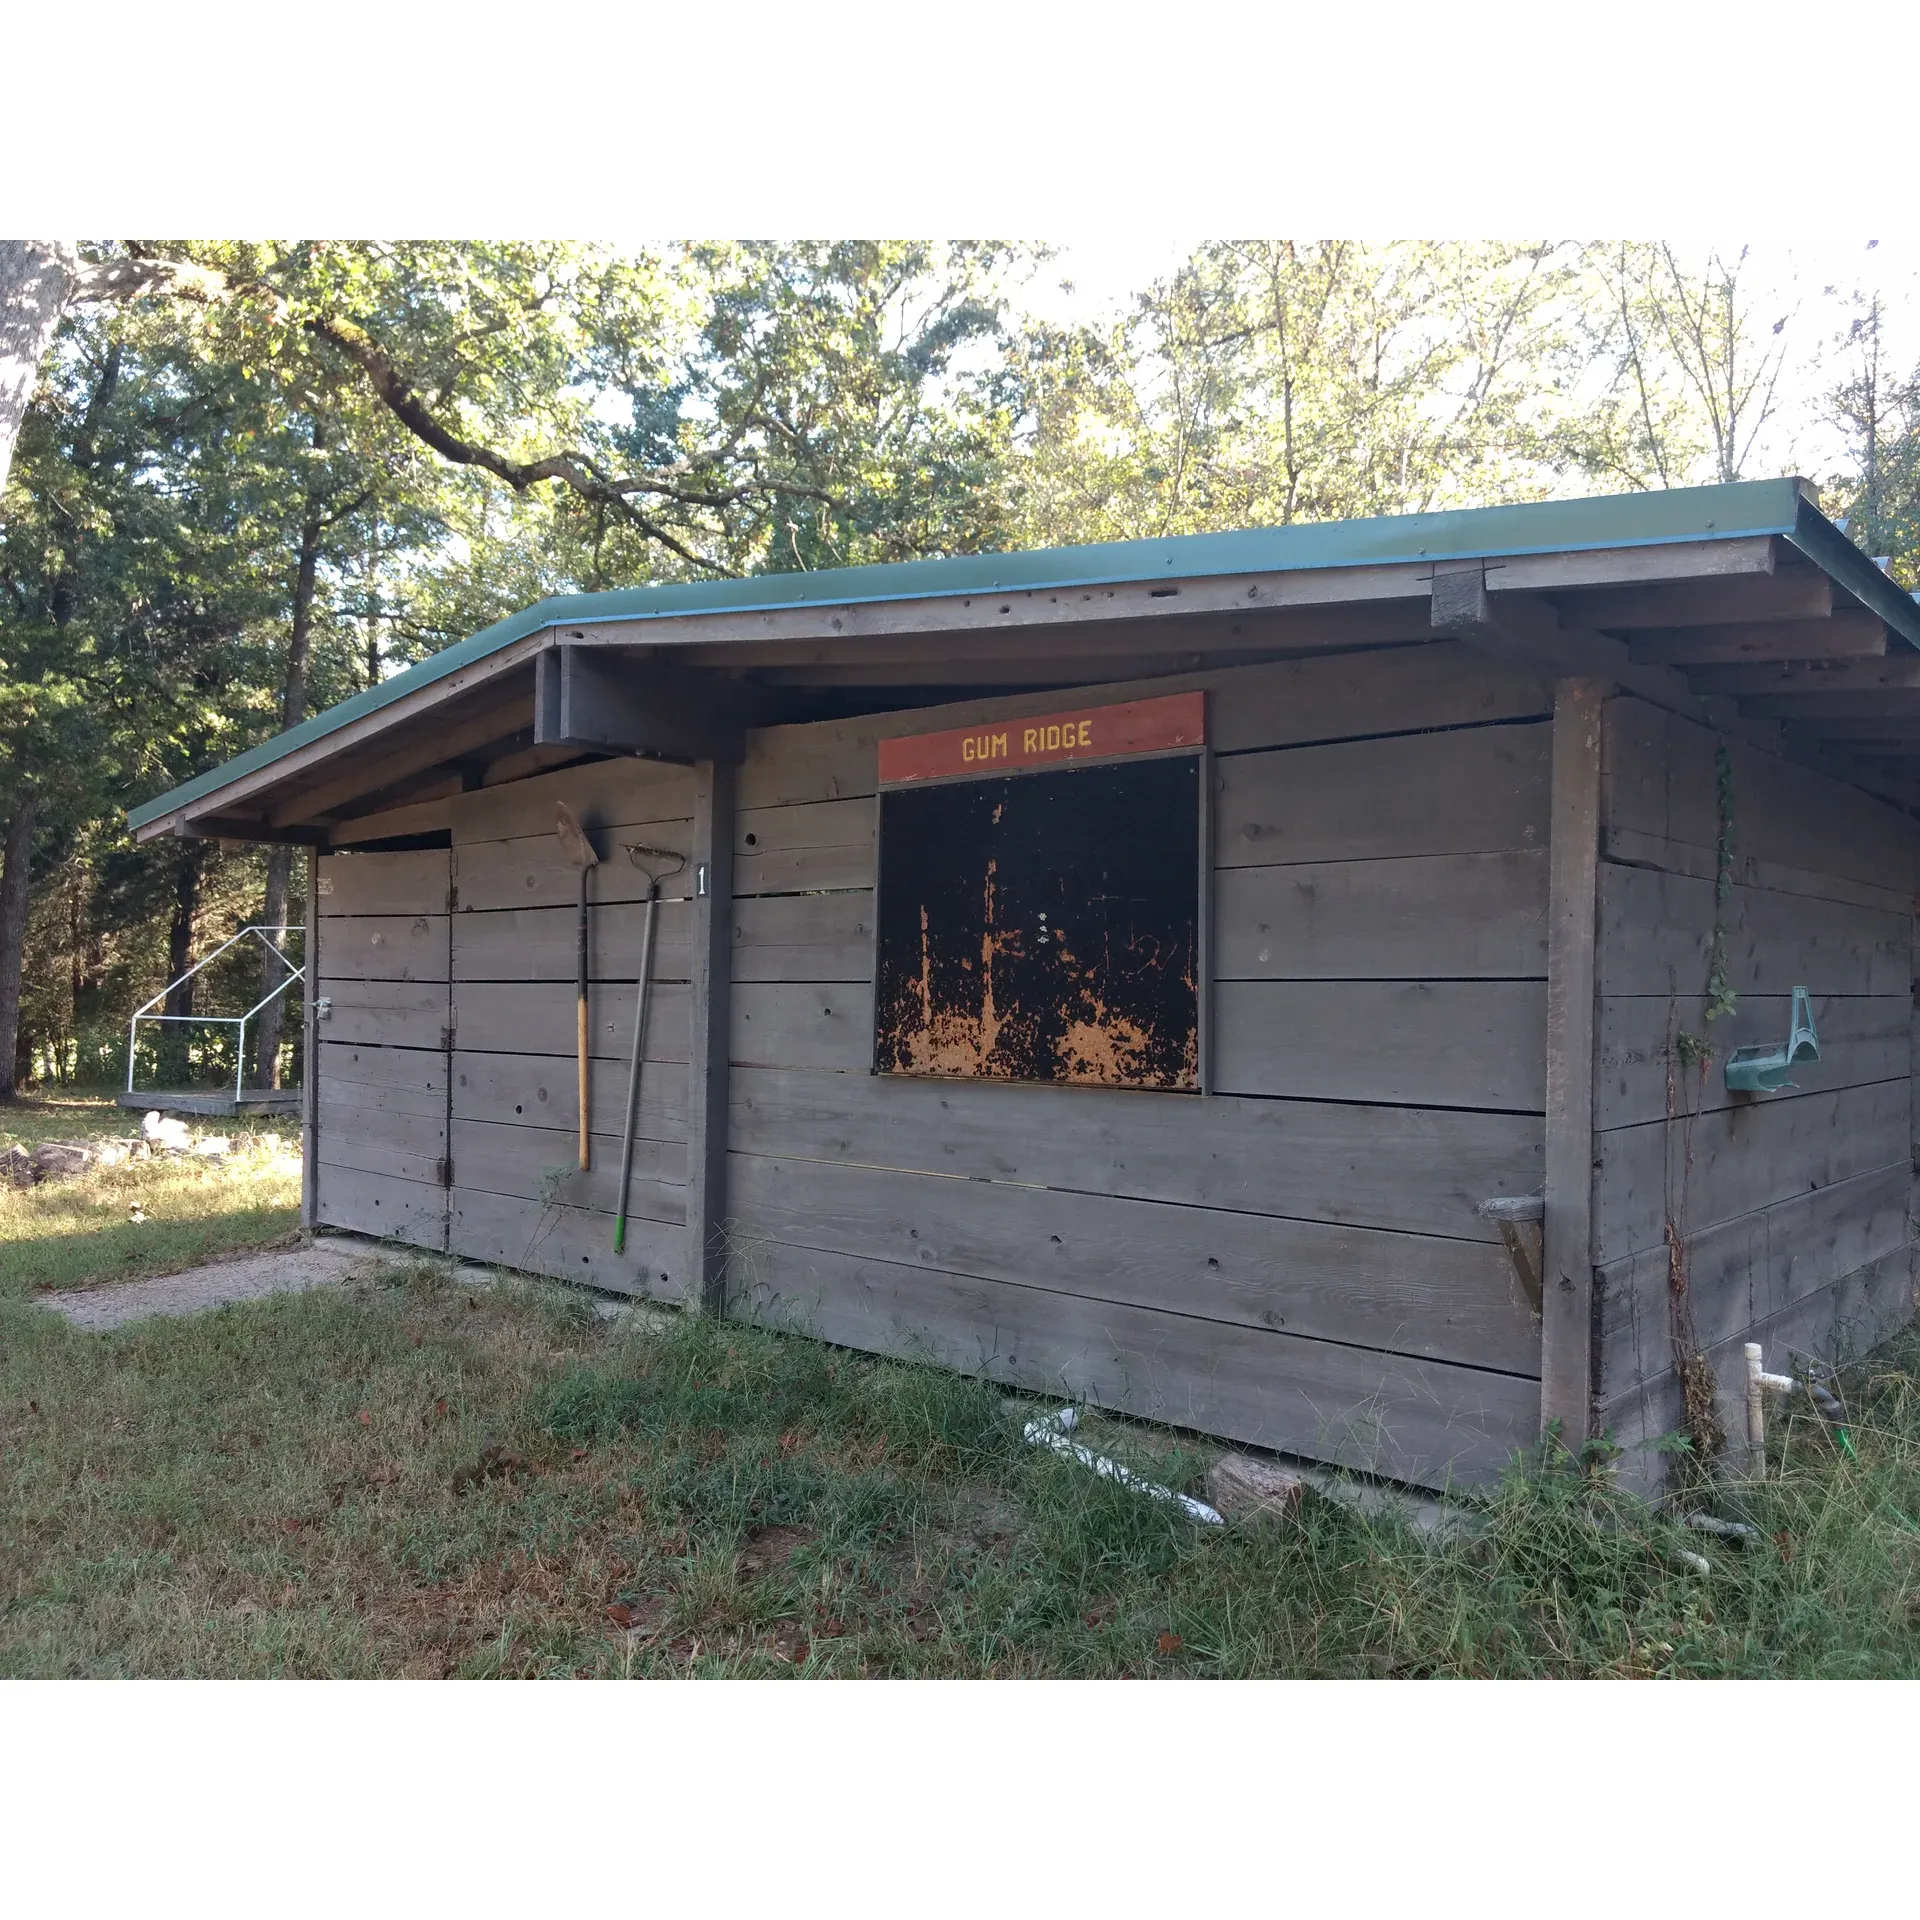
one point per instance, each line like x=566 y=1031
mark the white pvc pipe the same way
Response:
x=1051 y=1430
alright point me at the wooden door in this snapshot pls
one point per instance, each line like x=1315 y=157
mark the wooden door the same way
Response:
x=384 y=1028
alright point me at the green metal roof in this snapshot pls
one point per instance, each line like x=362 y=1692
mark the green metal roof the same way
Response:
x=1669 y=518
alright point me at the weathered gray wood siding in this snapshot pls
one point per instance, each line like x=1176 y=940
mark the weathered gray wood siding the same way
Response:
x=1292 y=1259
x=381 y=1103
x=1794 y=1208
x=518 y=1195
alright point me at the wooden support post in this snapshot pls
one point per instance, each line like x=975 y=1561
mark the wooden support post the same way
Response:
x=1566 y=1306
x=310 y=1067
x=712 y=980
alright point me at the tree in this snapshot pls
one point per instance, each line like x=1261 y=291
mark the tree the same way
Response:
x=1270 y=381
x=1686 y=372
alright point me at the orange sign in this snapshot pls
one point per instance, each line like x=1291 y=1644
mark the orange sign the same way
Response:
x=1050 y=739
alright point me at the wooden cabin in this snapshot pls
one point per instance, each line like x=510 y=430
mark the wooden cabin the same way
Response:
x=1130 y=972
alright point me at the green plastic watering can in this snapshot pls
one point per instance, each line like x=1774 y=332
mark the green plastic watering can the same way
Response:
x=1764 y=1069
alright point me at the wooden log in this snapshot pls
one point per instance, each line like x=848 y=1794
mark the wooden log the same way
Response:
x=1900 y=669
x=803 y=937
x=1438 y=1298
x=569 y=1243
x=402 y=1080
x=1657 y=932
x=807 y=848
x=1566 y=1351
x=1404 y=1168
x=536 y=1164
x=531 y=1016
x=385 y=1013
x=1841 y=636
x=1861 y=1041
x=1465 y=1043
x=606 y=795
x=536 y=1090
x=803 y=1024
x=382 y=1140
x=392 y=823
x=1391 y=690
x=542 y=943
x=385 y=1206
x=1411 y=1419
x=1799 y=593
x=1447 y=916
x=388 y=947
x=1744 y=1158
x=383 y=883
x=1477 y=790
x=526 y=872
x=1663 y=784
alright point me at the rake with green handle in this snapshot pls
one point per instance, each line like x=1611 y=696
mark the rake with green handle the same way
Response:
x=641 y=858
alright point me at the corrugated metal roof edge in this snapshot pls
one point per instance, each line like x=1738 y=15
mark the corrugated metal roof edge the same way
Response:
x=1740 y=509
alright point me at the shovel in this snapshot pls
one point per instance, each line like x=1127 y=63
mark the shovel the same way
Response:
x=579 y=852
x=645 y=858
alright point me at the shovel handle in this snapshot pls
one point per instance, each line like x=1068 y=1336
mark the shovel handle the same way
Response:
x=580 y=1023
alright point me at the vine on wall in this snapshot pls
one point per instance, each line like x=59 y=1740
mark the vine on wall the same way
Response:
x=1690 y=1056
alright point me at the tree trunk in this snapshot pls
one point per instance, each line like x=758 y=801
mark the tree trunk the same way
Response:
x=179 y=1000
x=37 y=279
x=293 y=705
x=13 y=933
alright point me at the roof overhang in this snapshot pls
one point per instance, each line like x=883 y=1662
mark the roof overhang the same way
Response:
x=1743 y=600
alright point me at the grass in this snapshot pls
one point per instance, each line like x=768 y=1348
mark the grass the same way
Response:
x=414 y=1477
x=144 y=1217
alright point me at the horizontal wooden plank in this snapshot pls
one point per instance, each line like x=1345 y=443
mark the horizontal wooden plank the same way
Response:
x=1404 y=1168
x=541 y=1166
x=570 y=1243
x=537 y=1016
x=385 y=947
x=803 y=1024
x=1861 y=1041
x=1630 y=848
x=1419 y=1420
x=392 y=823
x=378 y=1203
x=1743 y=1159
x=1477 y=790
x=543 y=943
x=410 y=1146
x=536 y=1090
x=607 y=795
x=530 y=871
x=1442 y=1299
x=1663 y=784
x=809 y=936
x=384 y=1013
x=806 y=848
x=1439 y=917
x=1656 y=937
x=1743 y=1271
x=1437 y=683
x=1434 y=1043
x=393 y=1079
x=352 y=883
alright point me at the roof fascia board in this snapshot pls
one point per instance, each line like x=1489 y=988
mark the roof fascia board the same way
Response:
x=1835 y=555
x=1390 y=546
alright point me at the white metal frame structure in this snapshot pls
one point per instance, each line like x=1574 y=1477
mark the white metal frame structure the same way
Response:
x=239 y=1021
